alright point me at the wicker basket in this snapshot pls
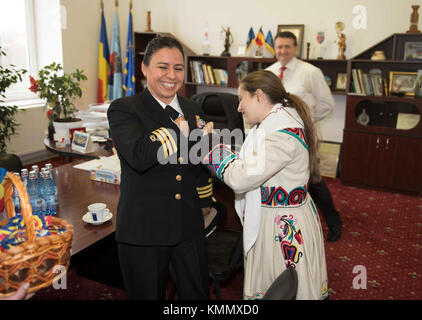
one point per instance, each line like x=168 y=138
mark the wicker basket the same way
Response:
x=34 y=260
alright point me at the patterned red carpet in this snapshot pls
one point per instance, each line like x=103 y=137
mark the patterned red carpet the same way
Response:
x=378 y=257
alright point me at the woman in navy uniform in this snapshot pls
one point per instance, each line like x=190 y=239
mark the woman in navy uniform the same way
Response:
x=159 y=218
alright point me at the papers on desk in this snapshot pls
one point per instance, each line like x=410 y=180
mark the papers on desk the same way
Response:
x=95 y=117
x=99 y=106
x=108 y=163
x=105 y=169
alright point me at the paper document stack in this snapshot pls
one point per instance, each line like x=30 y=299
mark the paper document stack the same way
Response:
x=95 y=119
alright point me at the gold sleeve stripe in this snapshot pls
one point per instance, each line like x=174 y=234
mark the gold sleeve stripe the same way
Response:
x=205 y=191
x=163 y=143
x=202 y=196
x=204 y=188
x=163 y=135
x=171 y=140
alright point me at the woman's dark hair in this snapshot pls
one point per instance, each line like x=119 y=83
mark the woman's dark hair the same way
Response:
x=159 y=43
x=272 y=87
x=286 y=34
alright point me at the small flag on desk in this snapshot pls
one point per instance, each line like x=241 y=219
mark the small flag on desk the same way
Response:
x=269 y=46
x=260 y=39
x=103 y=62
x=250 y=44
x=129 y=72
x=251 y=37
x=115 y=85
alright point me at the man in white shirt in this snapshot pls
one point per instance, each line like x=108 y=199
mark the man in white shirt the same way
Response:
x=307 y=82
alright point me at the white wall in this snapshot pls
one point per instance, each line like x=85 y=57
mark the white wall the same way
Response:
x=187 y=19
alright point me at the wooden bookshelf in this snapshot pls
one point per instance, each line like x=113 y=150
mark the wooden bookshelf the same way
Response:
x=381 y=153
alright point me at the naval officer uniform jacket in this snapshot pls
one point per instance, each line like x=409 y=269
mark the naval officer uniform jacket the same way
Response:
x=159 y=204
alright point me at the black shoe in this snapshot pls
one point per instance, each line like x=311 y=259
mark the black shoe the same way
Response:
x=334 y=233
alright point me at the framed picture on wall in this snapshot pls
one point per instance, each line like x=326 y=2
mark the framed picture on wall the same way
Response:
x=403 y=83
x=297 y=30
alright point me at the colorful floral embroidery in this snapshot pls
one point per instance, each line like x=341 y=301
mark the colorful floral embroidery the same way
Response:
x=290 y=239
x=298 y=133
x=218 y=159
x=277 y=196
x=325 y=289
x=256 y=295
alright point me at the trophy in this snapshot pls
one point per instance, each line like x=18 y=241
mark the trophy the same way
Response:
x=341 y=40
x=320 y=39
x=206 y=45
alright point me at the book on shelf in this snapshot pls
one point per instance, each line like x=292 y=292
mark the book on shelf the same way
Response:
x=368 y=84
x=203 y=73
x=192 y=71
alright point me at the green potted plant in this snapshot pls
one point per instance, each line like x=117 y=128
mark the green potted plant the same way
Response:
x=59 y=89
x=8 y=124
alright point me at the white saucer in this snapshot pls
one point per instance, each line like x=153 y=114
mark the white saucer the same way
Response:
x=88 y=218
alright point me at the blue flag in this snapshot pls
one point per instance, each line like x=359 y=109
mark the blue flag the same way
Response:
x=251 y=37
x=129 y=73
x=115 y=85
x=269 y=45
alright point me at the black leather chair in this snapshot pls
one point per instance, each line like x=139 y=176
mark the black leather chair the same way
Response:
x=225 y=255
x=284 y=287
x=220 y=108
x=11 y=162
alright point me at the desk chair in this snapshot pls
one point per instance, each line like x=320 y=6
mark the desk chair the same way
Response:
x=284 y=287
x=220 y=108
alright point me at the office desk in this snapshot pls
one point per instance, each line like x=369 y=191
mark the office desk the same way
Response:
x=67 y=151
x=75 y=192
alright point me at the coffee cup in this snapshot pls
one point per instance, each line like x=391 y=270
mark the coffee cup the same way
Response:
x=98 y=211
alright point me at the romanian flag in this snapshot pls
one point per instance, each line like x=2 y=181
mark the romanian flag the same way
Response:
x=129 y=72
x=260 y=39
x=103 y=62
x=115 y=85
x=269 y=46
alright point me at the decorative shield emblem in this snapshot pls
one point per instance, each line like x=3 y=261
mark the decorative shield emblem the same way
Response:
x=320 y=37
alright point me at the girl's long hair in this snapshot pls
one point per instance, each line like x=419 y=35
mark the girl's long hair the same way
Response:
x=271 y=85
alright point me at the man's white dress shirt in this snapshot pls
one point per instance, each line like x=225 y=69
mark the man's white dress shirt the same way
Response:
x=307 y=82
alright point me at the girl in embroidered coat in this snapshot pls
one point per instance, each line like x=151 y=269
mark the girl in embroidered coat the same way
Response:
x=269 y=177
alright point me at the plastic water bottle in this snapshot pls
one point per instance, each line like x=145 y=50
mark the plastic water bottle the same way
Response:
x=48 y=192
x=37 y=170
x=16 y=200
x=25 y=176
x=33 y=190
x=49 y=166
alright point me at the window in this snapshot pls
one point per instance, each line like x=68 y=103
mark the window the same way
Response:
x=17 y=39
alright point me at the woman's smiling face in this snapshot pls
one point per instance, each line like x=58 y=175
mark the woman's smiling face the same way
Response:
x=165 y=73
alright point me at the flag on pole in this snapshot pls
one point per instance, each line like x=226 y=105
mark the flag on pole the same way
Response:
x=103 y=60
x=256 y=47
x=269 y=46
x=115 y=85
x=260 y=39
x=251 y=37
x=250 y=44
x=129 y=72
